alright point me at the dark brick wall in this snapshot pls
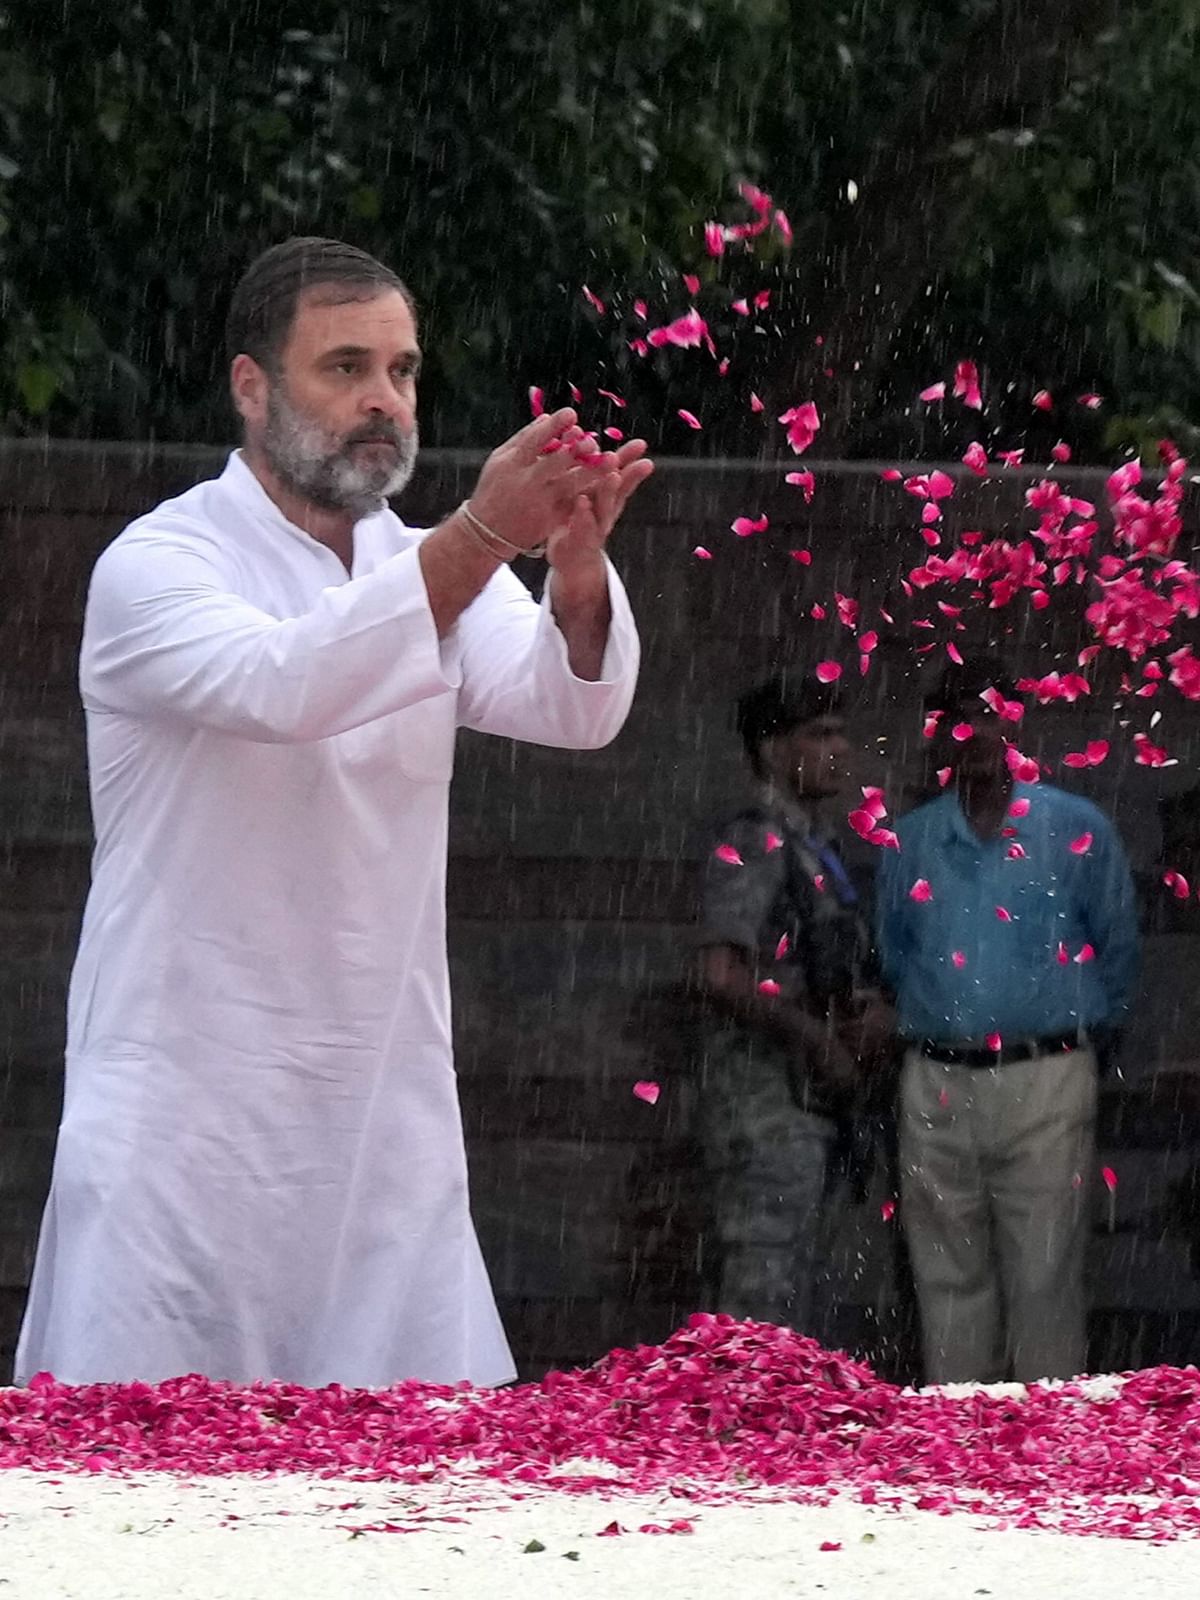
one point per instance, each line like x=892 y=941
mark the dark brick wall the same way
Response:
x=571 y=894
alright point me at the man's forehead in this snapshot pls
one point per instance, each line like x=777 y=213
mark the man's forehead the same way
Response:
x=327 y=316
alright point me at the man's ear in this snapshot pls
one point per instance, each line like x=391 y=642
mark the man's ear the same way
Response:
x=248 y=388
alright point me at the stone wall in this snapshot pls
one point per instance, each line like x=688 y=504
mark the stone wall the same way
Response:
x=571 y=898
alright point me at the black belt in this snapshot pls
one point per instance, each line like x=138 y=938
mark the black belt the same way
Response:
x=1026 y=1049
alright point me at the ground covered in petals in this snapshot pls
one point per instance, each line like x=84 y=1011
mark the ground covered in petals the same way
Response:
x=722 y=1411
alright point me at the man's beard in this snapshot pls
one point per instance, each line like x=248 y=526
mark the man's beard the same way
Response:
x=326 y=469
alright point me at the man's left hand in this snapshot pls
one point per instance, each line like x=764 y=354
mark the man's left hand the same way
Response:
x=575 y=550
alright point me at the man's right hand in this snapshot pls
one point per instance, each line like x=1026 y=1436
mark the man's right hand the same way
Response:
x=525 y=494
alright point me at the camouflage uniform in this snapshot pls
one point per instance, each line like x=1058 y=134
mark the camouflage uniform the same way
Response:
x=766 y=1124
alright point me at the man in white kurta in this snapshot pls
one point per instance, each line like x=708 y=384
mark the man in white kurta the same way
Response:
x=260 y=1170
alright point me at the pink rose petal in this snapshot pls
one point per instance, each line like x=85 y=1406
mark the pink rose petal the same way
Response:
x=828 y=671
x=647 y=1091
x=729 y=855
x=920 y=891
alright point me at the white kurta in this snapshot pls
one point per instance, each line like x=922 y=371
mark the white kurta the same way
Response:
x=260 y=1170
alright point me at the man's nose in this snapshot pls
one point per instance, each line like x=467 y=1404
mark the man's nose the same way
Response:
x=380 y=398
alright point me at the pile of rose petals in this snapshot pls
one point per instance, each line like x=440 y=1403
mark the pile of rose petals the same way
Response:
x=721 y=1409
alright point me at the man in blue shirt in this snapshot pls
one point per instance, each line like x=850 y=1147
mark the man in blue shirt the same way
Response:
x=1007 y=929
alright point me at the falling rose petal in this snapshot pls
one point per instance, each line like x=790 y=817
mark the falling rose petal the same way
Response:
x=954 y=653
x=723 y=367
x=1061 y=955
x=941 y=484
x=745 y=526
x=830 y=1544
x=773 y=842
x=1110 y=1179
x=639 y=309
x=1086 y=953
x=1147 y=754
x=639 y=347
x=692 y=421
x=782 y=948
x=1043 y=400
x=1019 y=808
x=728 y=853
x=891 y=475
x=828 y=671
x=1081 y=846
x=647 y=1090
x=762 y=299
x=975 y=457
x=701 y=554
x=1003 y=914
x=929 y=727
x=994 y=1042
x=769 y=987
x=888 y=1209
x=614 y=433
x=804 y=557
x=944 y=774
x=802 y=424
x=537 y=400
x=615 y=398
x=783 y=227
x=1015 y=852
x=691 y=283
x=742 y=307
x=961 y=732
x=1011 y=458
x=935 y=391
x=576 y=394
x=1061 y=451
x=817 y=611
x=958 y=958
x=966 y=385
x=1177 y=883
x=920 y=891
x=819 y=882
x=943 y=1097
x=714 y=238
x=756 y=404
x=885 y=838
x=868 y=641
x=1093 y=402
x=804 y=481
x=593 y=300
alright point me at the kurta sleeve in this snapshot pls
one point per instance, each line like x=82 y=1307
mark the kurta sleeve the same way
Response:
x=517 y=679
x=166 y=635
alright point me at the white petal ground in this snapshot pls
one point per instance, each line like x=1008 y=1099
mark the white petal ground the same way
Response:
x=154 y=1537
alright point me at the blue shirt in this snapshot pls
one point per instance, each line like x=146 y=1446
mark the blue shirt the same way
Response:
x=959 y=970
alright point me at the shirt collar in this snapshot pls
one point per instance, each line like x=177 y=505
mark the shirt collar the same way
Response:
x=957 y=829
x=246 y=487
x=802 y=819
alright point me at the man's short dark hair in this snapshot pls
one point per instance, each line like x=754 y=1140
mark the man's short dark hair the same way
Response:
x=264 y=303
x=780 y=705
x=961 y=685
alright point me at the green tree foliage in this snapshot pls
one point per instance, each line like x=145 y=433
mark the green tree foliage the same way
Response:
x=995 y=179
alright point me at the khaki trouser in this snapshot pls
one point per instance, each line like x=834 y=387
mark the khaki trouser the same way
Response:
x=995 y=1187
